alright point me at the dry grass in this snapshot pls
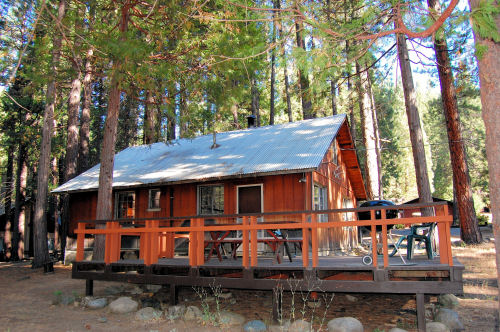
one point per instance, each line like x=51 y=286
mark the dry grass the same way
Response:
x=479 y=304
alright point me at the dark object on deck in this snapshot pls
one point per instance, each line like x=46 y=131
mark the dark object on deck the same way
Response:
x=251 y=121
x=390 y=214
x=48 y=267
x=426 y=237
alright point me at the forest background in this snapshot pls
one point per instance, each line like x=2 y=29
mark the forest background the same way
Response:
x=179 y=69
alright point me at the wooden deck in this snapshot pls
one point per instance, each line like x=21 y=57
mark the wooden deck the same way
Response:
x=161 y=265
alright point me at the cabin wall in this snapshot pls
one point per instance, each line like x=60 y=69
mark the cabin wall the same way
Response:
x=334 y=177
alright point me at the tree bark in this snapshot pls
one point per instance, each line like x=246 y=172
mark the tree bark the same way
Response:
x=369 y=136
x=333 y=88
x=41 y=252
x=83 y=155
x=255 y=101
x=273 y=65
x=150 y=117
x=104 y=209
x=7 y=200
x=416 y=135
x=377 y=136
x=489 y=76
x=285 y=71
x=469 y=228
x=304 y=91
x=72 y=146
x=18 y=224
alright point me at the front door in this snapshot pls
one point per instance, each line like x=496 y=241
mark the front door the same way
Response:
x=250 y=199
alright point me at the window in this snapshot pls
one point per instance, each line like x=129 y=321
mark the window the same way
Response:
x=154 y=199
x=347 y=204
x=320 y=201
x=211 y=199
x=125 y=205
x=334 y=152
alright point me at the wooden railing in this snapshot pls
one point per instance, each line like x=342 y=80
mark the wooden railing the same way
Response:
x=157 y=236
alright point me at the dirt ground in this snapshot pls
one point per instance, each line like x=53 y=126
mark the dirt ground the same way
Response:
x=27 y=296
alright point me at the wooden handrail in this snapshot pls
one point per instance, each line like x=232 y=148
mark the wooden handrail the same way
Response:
x=152 y=233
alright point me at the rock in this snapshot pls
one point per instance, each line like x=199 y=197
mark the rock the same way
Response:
x=150 y=302
x=300 y=326
x=397 y=329
x=192 y=313
x=114 y=290
x=102 y=320
x=285 y=325
x=175 y=312
x=459 y=243
x=148 y=314
x=449 y=318
x=351 y=298
x=153 y=288
x=449 y=301
x=96 y=303
x=228 y=318
x=314 y=304
x=345 y=324
x=226 y=296
x=436 y=327
x=123 y=305
x=255 y=326
x=136 y=290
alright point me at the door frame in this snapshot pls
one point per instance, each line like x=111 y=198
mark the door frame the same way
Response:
x=261 y=185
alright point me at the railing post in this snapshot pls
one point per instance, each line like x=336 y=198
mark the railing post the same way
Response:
x=200 y=260
x=108 y=243
x=374 y=237
x=253 y=242
x=245 y=243
x=384 y=239
x=305 y=241
x=115 y=242
x=192 y=245
x=314 y=240
x=80 y=242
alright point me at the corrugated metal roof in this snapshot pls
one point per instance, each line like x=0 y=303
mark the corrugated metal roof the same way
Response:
x=280 y=148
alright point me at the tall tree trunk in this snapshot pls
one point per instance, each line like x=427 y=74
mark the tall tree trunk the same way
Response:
x=234 y=112
x=171 y=121
x=104 y=209
x=7 y=200
x=18 y=224
x=72 y=147
x=305 y=93
x=489 y=76
x=416 y=135
x=469 y=228
x=150 y=118
x=255 y=101
x=183 y=112
x=83 y=155
x=41 y=252
x=333 y=88
x=285 y=65
x=273 y=65
x=377 y=136
x=368 y=130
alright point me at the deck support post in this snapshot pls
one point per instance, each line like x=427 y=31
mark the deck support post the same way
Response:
x=174 y=295
x=420 y=312
x=89 y=287
x=277 y=304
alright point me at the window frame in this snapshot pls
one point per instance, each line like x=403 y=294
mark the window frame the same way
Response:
x=322 y=198
x=117 y=204
x=199 y=203
x=334 y=152
x=154 y=208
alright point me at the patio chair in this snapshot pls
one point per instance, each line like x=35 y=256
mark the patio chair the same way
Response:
x=427 y=236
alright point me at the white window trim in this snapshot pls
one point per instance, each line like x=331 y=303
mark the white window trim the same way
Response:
x=208 y=185
x=334 y=151
x=261 y=185
x=150 y=209
x=321 y=217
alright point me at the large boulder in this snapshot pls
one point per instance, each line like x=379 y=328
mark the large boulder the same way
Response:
x=228 y=318
x=192 y=313
x=123 y=305
x=300 y=326
x=449 y=301
x=255 y=326
x=345 y=324
x=175 y=312
x=436 y=327
x=148 y=314
x=449 y=318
